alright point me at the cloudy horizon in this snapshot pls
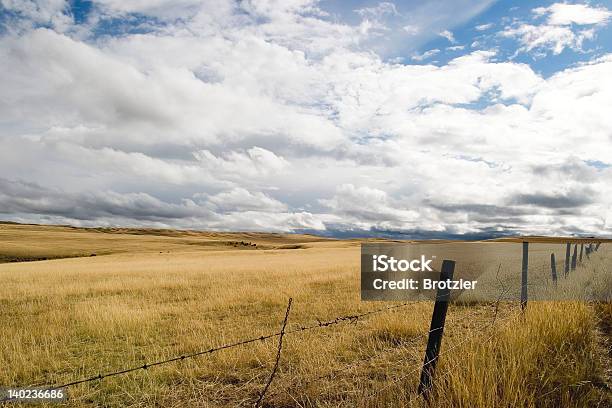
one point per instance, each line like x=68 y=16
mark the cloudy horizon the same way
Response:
x=469 y=118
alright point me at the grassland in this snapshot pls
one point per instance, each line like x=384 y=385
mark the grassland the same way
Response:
x=148 y=295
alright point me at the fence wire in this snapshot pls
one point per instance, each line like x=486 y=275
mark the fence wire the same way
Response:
x=445 y=352
x=351 y=319
x=359 y=362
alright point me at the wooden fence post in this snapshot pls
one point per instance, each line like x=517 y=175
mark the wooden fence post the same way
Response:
x=553 y=268
x=574 y=257
x=524 y=272
x=436 y=330
x=567 y=258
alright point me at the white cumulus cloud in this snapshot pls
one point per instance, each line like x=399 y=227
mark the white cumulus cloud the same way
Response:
x=566 y=26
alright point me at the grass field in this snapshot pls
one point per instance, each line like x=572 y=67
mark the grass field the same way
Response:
x=147 y=295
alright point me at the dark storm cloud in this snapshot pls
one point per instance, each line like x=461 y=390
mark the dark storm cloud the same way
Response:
x=484 y=233
x=572 y=168
x=17 y=197
x=571 y=199
x=480 y=209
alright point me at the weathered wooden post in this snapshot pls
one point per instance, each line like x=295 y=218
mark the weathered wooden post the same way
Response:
x=436 y=329
x=553 y=268
x=574 y=257
x=524 y=272
x=581 y=250
x=567 y=258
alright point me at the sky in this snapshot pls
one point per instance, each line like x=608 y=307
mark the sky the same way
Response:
x=422 y=119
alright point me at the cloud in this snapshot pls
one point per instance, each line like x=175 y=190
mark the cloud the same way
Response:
x=397 y=29
x=277 y=116
x=487 y=210
x=240 y=199
x=23 y=201
x=383 y=9
x=162 y=9
x=571 y=169
x=23 y=197
x=233 y=164
x=368 y=207
x=426 y=55
x=448 y=35
x=32 y=12
x=411 y=29
x=569 y=199
x=484 y=27
x=564 y=28
x=567 y=14
x=546 y=37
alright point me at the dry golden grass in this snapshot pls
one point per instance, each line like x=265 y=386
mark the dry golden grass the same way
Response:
x=156 y=295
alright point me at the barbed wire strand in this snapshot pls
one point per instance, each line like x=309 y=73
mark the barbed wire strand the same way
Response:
x=358 y=362
x=320 y=324
x=278 y=356
x=371 y=357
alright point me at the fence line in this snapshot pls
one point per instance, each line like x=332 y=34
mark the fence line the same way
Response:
x=449 y=369
x=448 y=350
x=435 y=332
x=357 y=363
x=353 y=318
x=571 y=263
x=524 y=284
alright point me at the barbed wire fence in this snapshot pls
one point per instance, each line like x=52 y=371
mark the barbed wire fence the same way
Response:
x=338 y=320
x=383 y=352
x=432 y=354
x=415 y=370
